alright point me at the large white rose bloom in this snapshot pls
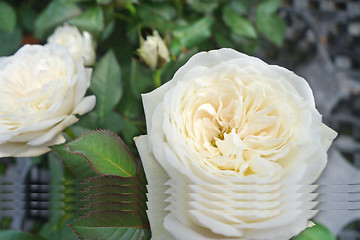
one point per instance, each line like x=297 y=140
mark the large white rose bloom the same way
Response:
x=79 y=44
x=42 y=89
x=233 y=145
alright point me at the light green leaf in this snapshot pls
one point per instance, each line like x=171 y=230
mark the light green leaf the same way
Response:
x=106 y=152
x=92 y=20
x=55 y=13
x=272 y=26
x=18 y=235
x=106 y=84
x=268 y=7
x=10 y=42
x=75 y=163
x=238 y=25
x=7 y=17
x=317 y=232
x=193 y=33
x=125 y=225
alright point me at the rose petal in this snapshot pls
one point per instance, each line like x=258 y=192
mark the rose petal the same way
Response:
x=156 y=187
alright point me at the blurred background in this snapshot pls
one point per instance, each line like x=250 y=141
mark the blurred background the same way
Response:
x=317 y=39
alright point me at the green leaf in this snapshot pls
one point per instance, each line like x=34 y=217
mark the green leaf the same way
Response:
x=125 y=225
x=194 y=33
x=113 y=122
x=106 y=84
x=140 y=78
x=108 y=30
x=18 y=235
x=7 y=17
x=52 y=229
x=106 y=152
x=164 y=10
x=76 y=164
x=268 y=7
x=130 y=130
x=104 y=1
x=56 y=181
x=92 y=20
x=27 y=17
x=157 y=16
x=240 y=6
x=10 y=42
x=203 y=6
x=54 y=14
x=317 y=232
x=238 y=25
x=272 y=26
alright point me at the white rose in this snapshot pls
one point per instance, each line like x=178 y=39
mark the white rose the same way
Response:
x=153 y=51
x=42 y=90
x=233 y=145
x=79 y=45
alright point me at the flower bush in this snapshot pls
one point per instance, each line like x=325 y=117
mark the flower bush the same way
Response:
x=232 y=147
x=43 y=89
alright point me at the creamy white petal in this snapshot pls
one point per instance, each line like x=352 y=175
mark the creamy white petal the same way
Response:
x=156 y=178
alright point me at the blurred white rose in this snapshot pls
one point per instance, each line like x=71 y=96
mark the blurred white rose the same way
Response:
x=79 y=45
x=153 y=51
x=42 y=89
x=233 y=145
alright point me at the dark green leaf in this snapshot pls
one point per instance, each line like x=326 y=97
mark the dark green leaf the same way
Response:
x=113 y=122
x=164 y=10
x=7 y=17
x=111 y=226
x=106 y=84
x=10 y=42
x=108 y=30
x=55 y=13
x=27 y=17
x=317 y=232
x=268 y=7
x=92 y=20
x=272 y=26
x=51 y=229
x=18 y=235
x=238 y=25
x=130 y=106
x=240 y=6
x=76 y=164
x=157 y=16
x=203 y=6
x=140 y=78
x=66 y=233
x=192 y=34
x=130 y=130
x=104 y=1
x=106 y=152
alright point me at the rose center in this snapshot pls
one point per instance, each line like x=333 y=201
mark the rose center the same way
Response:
x=238 y=127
